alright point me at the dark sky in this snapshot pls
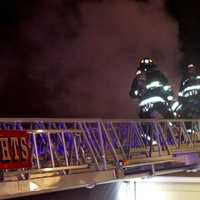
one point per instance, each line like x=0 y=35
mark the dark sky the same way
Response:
x=188 y=16
x=77 y=58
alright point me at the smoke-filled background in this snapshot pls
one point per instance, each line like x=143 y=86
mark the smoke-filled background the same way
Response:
x=78 y=58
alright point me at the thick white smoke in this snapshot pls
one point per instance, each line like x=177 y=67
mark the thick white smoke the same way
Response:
x=85 y=63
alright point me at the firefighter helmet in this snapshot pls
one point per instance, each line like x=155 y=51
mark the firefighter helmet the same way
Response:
x=146 y=64
x=192 y=70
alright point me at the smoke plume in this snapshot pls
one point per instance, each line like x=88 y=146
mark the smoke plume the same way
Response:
x=79 y=59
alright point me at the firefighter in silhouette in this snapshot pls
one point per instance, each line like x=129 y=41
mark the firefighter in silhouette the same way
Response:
x=188 y=105
x=152 y=90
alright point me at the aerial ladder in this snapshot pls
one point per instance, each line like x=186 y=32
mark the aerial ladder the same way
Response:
x=71 y=153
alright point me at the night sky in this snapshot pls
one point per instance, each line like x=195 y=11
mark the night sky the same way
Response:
x=77 y=58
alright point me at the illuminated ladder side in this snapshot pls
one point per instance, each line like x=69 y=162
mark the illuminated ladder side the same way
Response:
x=74 y=147
x=79 y=140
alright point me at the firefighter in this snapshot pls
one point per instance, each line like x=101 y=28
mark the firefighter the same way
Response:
x=188 y=105
x=152 y=90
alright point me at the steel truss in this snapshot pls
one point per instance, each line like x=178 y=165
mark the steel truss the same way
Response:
x=82 y=145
